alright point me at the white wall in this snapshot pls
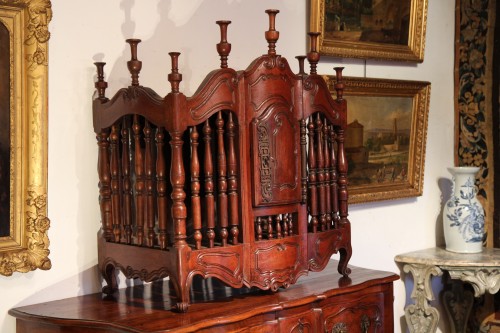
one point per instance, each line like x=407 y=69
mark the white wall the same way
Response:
x=92 y=30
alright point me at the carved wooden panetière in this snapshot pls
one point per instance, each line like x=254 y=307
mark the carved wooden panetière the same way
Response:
x=245 y=181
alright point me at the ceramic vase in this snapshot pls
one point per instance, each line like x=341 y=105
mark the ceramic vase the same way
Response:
x=463 y=215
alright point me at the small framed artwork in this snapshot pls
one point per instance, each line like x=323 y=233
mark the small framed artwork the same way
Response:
x=385 y=137
x=369 y=29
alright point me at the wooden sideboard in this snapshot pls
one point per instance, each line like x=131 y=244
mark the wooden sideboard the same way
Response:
x=321 y=302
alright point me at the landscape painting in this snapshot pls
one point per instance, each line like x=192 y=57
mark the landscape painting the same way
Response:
x=385 y=137
x=378 y=21
x=370 y=29
x=378 y=141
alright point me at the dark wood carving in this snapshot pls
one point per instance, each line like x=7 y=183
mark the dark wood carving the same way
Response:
x=245 y=181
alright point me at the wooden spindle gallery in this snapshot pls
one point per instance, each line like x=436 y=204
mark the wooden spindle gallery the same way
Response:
x=245 y=181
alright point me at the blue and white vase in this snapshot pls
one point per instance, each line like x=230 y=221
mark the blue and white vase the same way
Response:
x=463 y=216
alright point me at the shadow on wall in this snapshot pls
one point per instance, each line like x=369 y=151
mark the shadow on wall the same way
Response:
x=445 y=187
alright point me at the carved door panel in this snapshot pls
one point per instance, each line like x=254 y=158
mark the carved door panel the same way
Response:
x=276 y=157
x=272 y=113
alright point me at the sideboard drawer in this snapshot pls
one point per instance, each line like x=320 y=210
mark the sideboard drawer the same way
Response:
x=364 y=314
x=308 y=322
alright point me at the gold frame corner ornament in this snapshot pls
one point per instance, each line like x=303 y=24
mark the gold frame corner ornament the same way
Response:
x=412 y=52
x=26 y=248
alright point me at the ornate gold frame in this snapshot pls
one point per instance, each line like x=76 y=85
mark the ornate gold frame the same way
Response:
x=26 y=248
x=414 y=51
x=420 y=93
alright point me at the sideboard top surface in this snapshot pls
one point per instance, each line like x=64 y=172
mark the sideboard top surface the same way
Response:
x=146 y=308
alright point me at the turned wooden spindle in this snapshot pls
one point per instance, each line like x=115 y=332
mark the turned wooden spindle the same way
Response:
x=301 y=60
x=327 y=166
x=161 y=188
x=223 y=48
x=134 y=65
x=272 y=35
x=313 y=54
x=114 y=139
x=342 y=179
x=126 y=181
x=320 y=173
x=148 y=172
x=313 y=202
x=259 y=228
x=100 y=84
x=195 y=187
x=339 y=84
x=139 y=183
x=209 y=184
x=175 y=77
x=103 y=168
x=222 y=180
x=232 y=180
x=303 y=160
x=334 y=178
x=270 y=227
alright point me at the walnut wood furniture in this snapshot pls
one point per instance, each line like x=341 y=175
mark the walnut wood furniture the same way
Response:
x=481 y=270
x=321 y=302
x=245 y=181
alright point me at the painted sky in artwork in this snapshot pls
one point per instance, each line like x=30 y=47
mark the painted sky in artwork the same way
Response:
x=379 y=111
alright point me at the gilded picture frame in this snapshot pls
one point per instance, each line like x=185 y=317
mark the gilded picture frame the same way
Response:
x=24 y=242
x=385 y=137
x=383 y=30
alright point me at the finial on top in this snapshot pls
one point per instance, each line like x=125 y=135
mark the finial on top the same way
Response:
x=100 y=84
x=313 y=54
x=272 y=35
x=175 y=77
x=339 y=84
x=134 y=65
x=301 y=59
x=223 y=48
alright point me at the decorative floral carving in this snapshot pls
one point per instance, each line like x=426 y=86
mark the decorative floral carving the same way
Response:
x=421 y=317
x=36 y=255
x=483 y=280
